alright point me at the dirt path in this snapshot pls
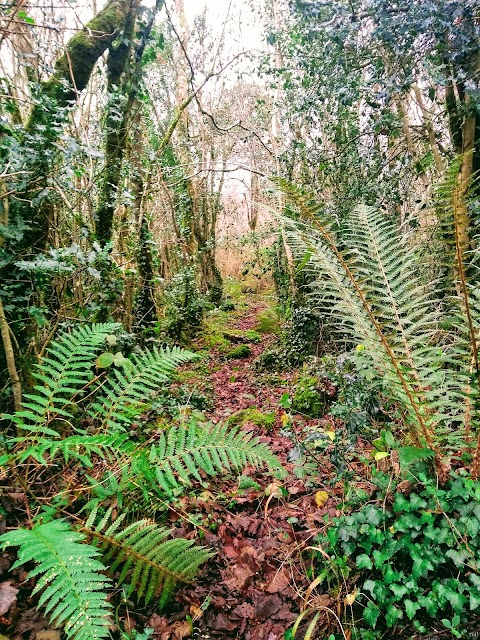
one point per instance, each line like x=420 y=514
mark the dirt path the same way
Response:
x=258 y=526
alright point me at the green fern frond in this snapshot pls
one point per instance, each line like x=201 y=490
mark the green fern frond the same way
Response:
x=183 y=452
x=128 y=391
x=64 y=371
x=374 y=289
x=71 y=584
x=144 y=556
x=77 y=447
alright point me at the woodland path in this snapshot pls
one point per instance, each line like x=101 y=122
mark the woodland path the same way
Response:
x=252 y=589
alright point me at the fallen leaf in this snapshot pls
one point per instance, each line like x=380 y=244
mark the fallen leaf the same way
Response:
x=273 y=489
x=321 y=498
x=182 y=629
x=350 y=598
x=279 y=582
x=244 y=610
x=8 y=595
x=267 y=606
x=223 y=622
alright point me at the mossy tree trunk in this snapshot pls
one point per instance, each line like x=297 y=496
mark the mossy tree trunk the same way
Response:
x=124 y=76
x=71 y=75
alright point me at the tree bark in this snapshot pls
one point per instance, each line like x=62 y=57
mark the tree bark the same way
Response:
x=10 y=358
x=74 y=68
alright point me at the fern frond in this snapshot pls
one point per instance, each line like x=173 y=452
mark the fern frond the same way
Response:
x=71 y=583
x=184 y=451
x=144 y=556
x=77 y=447
x=128 y=390
x=64 y=371
x=373 y=288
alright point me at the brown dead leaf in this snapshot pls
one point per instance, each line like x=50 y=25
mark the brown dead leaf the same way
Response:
x=267 y=606
x=157 y=623
x=223 y=622
x=244 y=610
x=182 y=629
x=279 y=582
x=8 y=595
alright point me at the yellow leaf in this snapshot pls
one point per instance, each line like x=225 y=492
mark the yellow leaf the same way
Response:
x=273 y=490
x=321 y=498
x=330 y=434
x=285 y=419
x=379 y=455
x=350 y=598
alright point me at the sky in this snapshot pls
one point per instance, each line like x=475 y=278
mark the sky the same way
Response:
x=244 y=25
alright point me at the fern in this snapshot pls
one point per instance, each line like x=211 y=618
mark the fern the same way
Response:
x=373 y=288
x=71 y=584
x=64 y=371
x=128 y=391
x=144 y=556
x=183 y=452
x=77 y=447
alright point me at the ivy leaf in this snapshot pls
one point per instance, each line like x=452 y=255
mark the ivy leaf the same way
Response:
x=369 y=585
x=371 y=614
x=363 y=562
x=411 y=608
x=474 y=600
x=458 y=557
x=399 y=590
x=394 y=614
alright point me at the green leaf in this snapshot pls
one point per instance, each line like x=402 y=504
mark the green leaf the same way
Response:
x=411 y=608
x=363 y=562
x=371 y=614
x=399 y=590
x=369 y=585
x=458 y=556
x=105 y=360
x=474 y=600
x=394 y=614
x=119 y=359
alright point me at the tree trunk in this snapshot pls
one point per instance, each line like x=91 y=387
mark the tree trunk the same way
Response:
x=121 y=93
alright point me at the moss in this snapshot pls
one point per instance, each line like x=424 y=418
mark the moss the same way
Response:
x=310 y=397
x=254 y=416
x=242 y=351
x=83 y=51
x=242 y=336
x=267 y=322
